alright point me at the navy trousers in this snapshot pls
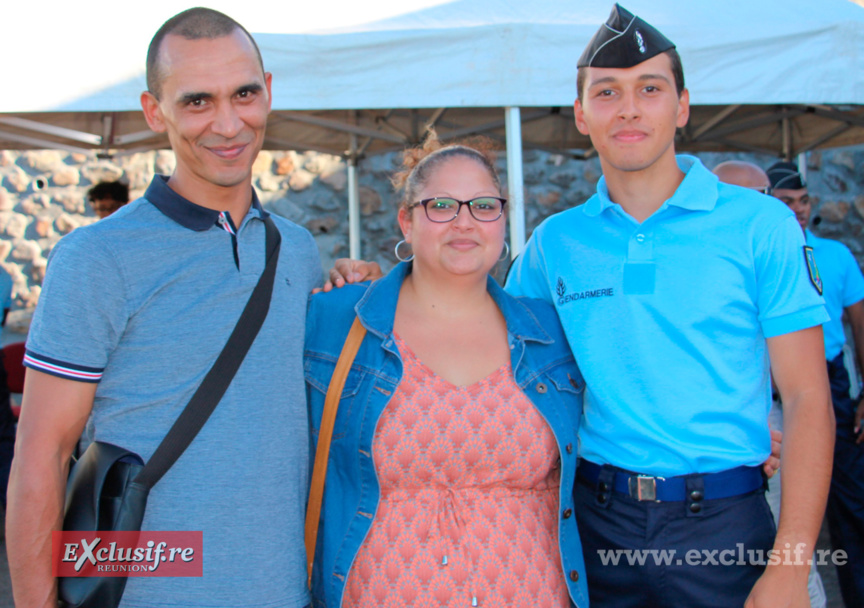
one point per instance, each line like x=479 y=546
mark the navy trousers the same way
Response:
x=708 y=559
x=845 y=512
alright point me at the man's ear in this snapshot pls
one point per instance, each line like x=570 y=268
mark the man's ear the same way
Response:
x=268 y=82
x=152 y=112
x=683 y=109
x=579 y=118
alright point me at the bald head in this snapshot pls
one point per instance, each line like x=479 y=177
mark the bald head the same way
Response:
x=192 y=24
x=741 y=173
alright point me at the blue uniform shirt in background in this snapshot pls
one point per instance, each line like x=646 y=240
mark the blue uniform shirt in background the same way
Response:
x=668 y=319
x=843 y=286
x=142 y=302
x=5 y=291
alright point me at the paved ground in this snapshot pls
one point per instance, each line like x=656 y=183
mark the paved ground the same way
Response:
x=829 y=577
x=828 y=573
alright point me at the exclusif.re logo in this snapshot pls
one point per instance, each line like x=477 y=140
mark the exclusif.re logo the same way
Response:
x=127 y=553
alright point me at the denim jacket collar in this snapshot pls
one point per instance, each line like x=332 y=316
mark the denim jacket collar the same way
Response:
x=377 y=308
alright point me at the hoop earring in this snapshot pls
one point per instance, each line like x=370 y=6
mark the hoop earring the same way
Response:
x=399 y=257
x=506 y=252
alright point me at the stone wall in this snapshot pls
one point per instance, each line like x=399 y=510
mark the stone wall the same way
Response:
x=43 y=197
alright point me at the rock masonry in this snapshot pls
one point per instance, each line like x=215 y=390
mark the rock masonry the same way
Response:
x=43 y=197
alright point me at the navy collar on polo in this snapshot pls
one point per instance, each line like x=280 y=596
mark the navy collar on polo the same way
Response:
x=185 y=212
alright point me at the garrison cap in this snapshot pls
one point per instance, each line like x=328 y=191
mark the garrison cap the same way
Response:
x=785 y=175
x=623 y=41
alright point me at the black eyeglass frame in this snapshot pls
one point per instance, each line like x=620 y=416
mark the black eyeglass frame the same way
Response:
x=426 y=201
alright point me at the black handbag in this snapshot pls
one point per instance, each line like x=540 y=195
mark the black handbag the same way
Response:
x=108 y=486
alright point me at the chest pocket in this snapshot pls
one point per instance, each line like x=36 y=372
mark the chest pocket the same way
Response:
x=566 y=381
x=566 y=378
x=318 y=371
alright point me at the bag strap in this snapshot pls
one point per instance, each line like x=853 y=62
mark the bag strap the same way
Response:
x=217 y=380
x=322 y=452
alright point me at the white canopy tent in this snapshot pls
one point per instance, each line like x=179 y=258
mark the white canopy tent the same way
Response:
x=776 y=76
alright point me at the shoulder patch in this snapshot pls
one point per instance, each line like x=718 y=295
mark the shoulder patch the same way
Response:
x=812 y=270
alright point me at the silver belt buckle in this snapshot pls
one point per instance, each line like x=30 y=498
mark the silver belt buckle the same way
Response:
x=643 y=487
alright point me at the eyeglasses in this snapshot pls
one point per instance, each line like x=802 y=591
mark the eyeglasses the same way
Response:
x=443 y=209
x=765 y=190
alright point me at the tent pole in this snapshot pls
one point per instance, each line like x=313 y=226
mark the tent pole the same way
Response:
x=353 y=202
x=515 y=185
x=353 y=208
x=802 y=165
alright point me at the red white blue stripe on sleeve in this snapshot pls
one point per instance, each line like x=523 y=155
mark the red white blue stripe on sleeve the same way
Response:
x=62 y=369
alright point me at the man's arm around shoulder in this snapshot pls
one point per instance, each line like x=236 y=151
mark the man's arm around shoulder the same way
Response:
x=53 y=414
x=798 y=368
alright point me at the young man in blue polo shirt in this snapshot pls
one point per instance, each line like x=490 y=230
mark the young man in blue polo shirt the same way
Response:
x=135 y=309
x=674 y=289
x=843 y=290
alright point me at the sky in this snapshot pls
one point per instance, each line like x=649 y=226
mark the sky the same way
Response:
x=49 y=48
x=44 y=46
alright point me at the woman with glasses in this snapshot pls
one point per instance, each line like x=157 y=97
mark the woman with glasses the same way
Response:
x=453 y=452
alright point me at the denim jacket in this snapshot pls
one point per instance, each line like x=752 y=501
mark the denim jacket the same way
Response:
x=543 y=367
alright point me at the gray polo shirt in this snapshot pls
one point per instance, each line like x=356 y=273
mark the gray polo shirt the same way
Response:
x=142 y=302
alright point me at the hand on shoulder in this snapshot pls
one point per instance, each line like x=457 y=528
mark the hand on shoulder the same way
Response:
x=346 y=270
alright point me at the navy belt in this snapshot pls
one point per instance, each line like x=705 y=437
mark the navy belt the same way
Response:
x=724 y=484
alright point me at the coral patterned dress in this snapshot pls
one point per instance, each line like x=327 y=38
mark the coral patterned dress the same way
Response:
x=469 y=499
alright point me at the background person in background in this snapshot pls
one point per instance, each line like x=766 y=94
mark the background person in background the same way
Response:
x=108 y=197
x=744 y=174
x=5 y=294
x=753 y=177
x=7 y=419
x=843 y=289
x=133 y=313
x=453 y=456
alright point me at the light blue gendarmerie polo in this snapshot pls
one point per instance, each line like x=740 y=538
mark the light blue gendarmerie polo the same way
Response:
x=142 y=302
x=843 y=285
x=668 y=319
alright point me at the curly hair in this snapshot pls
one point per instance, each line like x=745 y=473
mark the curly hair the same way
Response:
x=116 y=191
x=419 y=162
x=108 y=197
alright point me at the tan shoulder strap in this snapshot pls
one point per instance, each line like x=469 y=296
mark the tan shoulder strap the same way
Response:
x=322 y=453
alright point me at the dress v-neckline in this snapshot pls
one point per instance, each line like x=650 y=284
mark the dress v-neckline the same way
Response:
x=488 y=379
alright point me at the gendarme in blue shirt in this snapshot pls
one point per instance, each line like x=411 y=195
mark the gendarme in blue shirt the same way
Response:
x=668 y=319
x=142 y=302
x=843 y=286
